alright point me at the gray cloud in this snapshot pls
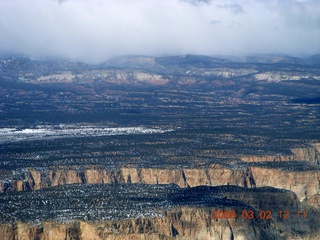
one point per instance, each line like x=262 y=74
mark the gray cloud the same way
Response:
x=216 y=22
x=96 y=30
x=234 y=7
x=197 y=2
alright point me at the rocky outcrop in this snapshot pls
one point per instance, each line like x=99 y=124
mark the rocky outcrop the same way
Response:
x=215 y=175
x=277 y=76
x=310 y=154
x=184 y=223
x=306 y=184
x=117 y=76
x=192 y=216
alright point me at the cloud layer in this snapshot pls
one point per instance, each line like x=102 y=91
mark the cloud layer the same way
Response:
x=96 y=30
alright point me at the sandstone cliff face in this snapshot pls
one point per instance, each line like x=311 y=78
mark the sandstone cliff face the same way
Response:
x=215 y=175
x=306 y=184
x=184 y=223
x=310 y=154
x=281 y=201
x=189 y=222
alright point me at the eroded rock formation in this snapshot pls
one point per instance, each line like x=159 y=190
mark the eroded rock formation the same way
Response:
x=306 y=184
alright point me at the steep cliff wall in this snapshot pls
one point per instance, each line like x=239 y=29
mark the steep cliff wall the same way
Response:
x=190 y=218
x=215 y=175
x=310 y=154
x=306 y=184
x=184 y=223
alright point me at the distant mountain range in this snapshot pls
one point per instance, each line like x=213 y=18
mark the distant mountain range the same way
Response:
x=201 y=61
x=24 y=68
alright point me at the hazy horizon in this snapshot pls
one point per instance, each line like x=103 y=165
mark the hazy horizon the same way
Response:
x=95 y=31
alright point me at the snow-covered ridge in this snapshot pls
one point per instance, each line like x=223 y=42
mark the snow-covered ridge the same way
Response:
x=63 y=131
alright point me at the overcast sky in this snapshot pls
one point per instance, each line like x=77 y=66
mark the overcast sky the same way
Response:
x=96 y=30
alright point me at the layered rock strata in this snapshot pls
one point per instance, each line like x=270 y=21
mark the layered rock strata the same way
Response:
x=187 y=224
x=184 y=221
x=309 y=154
x=306 y=184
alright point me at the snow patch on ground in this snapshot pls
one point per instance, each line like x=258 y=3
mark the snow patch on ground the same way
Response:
x=63 y=131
